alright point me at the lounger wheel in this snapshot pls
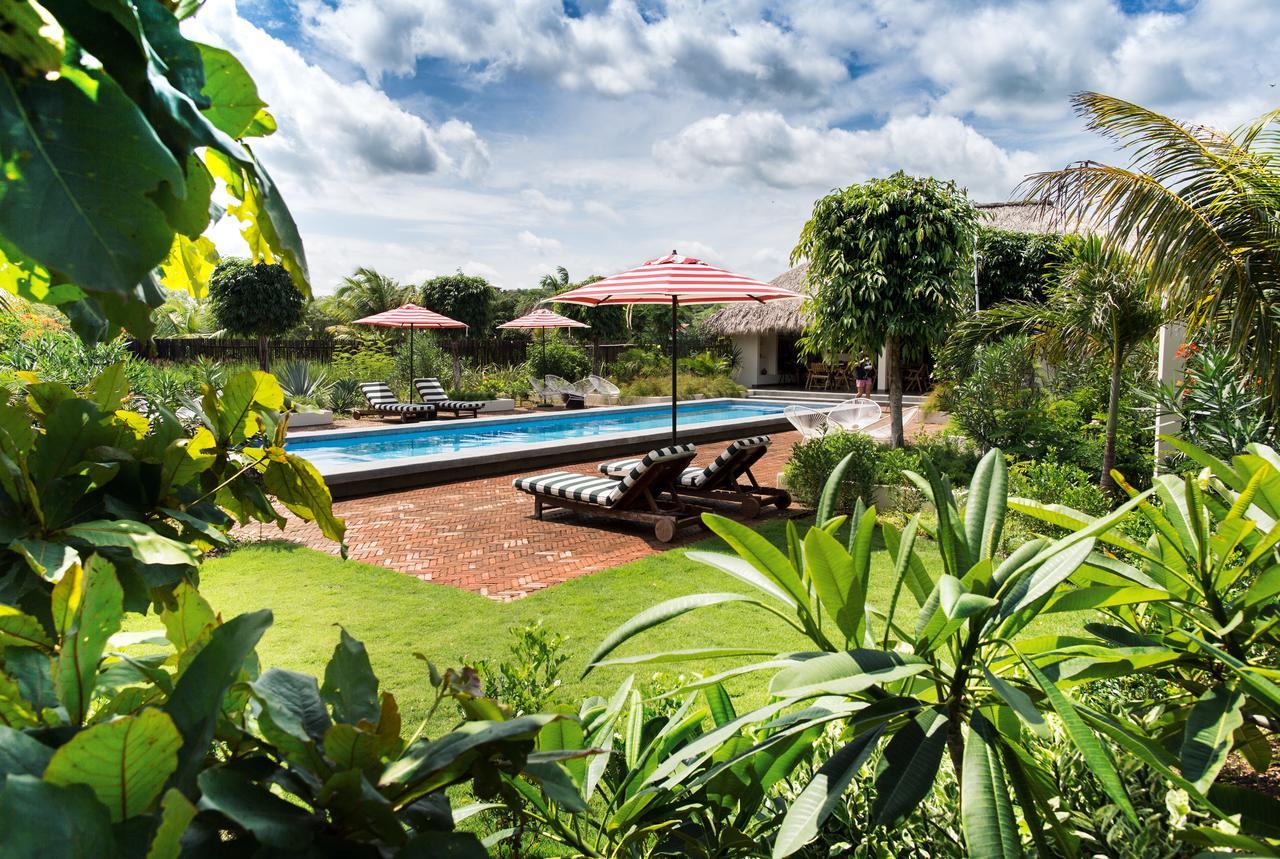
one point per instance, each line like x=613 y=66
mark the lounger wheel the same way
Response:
x=750 y=507
x=782 y=501
x=664 y=530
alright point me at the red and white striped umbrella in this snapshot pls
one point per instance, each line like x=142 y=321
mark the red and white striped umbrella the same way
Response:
x=410 y=316
x=413 y=317
x=682 y=279
x=674 y=280
x=543 y=318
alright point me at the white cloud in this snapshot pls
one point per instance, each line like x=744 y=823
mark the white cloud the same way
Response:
x=764 y=147
x=539 y=200
x=539 y=244
x=329 y=127
x=602 y=210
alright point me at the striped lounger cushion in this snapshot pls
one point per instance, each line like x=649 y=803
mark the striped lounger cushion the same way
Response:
x=432 y=392
x=603 y=491
x=381 y=399
x=693 y=477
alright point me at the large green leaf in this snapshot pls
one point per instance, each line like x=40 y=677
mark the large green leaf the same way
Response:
x=273 y=821
x=656 y=615
x=350 y=686
x=233 y=96
x=743 y=572
x=138 y=538
x=761 y=554
x=45 y=819
x=234 y=406
x=1020 y=703
x=21 y=630
x=86 y=162
x=985 y=506
x=844 y=673
x=990 y=830
x=815 y=803
x=21 y=754
x=1093 y=752
x=176 y=814
x=430 y=765
x=197 y=697
x=909 y=766
x=187 y=617
x=293 y=716
x=831 y=491
x=298 y=486
x=88 y=607
x=834 y=577
x=125 y=762
x=1207 y=738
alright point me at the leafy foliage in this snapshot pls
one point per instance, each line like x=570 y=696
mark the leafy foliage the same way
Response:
x=464 y=297
x=1015 y=266
x=1199 y=205
x=87 y=222
x=813 y=461
x=1218 y=406
x=886 y=260
x=254 y=299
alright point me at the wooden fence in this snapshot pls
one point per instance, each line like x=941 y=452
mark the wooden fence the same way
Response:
x=492 y=350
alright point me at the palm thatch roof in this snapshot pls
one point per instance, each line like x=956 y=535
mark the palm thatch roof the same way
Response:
x=787 y=317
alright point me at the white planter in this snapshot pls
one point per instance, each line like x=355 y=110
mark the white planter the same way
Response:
x=318 y=418
x=646 y=401
x=499 y=405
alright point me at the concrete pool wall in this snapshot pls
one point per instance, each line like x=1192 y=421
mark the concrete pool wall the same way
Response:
x=347 y=480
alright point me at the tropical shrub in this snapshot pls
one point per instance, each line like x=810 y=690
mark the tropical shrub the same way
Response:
x=303 y=382
x=1015 y=266
x=997 y=400
x=254 y=299
x=813 y=462
x=1219 y=407
x=464 y=297
x=360 y=364
x=960 y=683
x=343 y=395
x=688 y=385
x=563 y=358
x=527 y=679
x=952 y=455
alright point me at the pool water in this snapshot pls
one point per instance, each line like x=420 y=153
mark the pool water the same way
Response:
x=443 y=437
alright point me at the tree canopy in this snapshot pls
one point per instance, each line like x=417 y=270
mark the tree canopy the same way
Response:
x=886 y=262
x=464 y=297
x=1014 y=266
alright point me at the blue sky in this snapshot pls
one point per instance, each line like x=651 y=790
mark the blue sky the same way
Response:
x=506 y=137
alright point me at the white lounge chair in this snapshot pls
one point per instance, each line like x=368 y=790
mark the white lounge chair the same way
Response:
x=853 y=415
x=810 y=423
x=604 y=387
x=574 y=393
x=881 y=430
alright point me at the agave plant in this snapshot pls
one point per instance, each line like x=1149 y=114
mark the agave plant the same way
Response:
x=303 y=381
x=343 y=395
x=958 y=683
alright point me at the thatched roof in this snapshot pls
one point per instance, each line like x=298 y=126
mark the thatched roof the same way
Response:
x=786 y=317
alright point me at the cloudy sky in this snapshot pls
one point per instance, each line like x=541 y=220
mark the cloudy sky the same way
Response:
x=506 y=137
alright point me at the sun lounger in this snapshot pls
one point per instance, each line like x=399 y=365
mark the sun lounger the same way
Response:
x=644 y=494
x=432 y=393
x=880 y=431
x=722 y=479
x=383 y=403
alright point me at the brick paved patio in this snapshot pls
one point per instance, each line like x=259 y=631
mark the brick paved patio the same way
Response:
x=481 y=535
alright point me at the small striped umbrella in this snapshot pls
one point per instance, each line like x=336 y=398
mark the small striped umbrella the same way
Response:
x=413 y=317
x=542 y=319
x=674 y=280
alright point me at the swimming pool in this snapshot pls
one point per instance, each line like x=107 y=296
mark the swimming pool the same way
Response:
x=436 y=451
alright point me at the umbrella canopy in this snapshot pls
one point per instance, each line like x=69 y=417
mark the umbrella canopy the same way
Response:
x=674 y=280
x=543 y=318
x=412 y=316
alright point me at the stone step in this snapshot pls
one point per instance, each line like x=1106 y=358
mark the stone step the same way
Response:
x=825 y=396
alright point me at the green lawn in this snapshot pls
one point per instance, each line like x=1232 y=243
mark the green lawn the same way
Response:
x=397 y=615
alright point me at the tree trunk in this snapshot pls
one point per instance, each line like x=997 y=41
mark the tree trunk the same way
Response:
x=1113 y=417
x=264 y=354
x=893 y=355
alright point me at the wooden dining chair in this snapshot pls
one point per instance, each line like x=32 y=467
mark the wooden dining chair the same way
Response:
x=819 y=376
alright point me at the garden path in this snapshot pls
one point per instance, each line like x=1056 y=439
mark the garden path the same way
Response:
x=480 y=535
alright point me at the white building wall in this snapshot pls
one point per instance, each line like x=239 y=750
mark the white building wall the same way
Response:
x=748 y=346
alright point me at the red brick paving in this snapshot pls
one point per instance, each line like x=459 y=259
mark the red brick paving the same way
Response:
x=480 y=535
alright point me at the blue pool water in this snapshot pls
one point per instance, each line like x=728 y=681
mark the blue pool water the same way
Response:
x=442 y=437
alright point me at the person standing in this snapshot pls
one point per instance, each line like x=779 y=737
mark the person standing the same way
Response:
x=862 y=376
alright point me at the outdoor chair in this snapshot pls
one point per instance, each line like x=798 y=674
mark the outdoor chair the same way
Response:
x=881 y=429
x=574 y=393
x=383 y=403
x=855 y=414
x=541 y=391
x=432 y=393
x=644 y=494
x=605 y=388
x=721 y=480
x=819 y=376
x=810 y=423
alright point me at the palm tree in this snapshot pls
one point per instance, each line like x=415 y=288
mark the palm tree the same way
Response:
x=182 y=315
x=1098 y=305
x=367 y=292
x=1199 y=207
x=553 y=283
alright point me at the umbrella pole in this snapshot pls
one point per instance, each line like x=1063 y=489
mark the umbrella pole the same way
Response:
x=411 y=373
x=543 y=368
x=675 y=304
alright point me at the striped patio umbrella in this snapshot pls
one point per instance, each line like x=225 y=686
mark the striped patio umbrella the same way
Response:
x=413 y=317
x=542 y=319
x=674 y=280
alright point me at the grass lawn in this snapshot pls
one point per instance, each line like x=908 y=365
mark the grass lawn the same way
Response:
x=396 y=615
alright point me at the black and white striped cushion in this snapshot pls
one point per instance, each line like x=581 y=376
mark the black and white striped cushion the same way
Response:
x=694 y=476
x=652 y=458
x=381 y=399
x=432 y=392
x=571 y=485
